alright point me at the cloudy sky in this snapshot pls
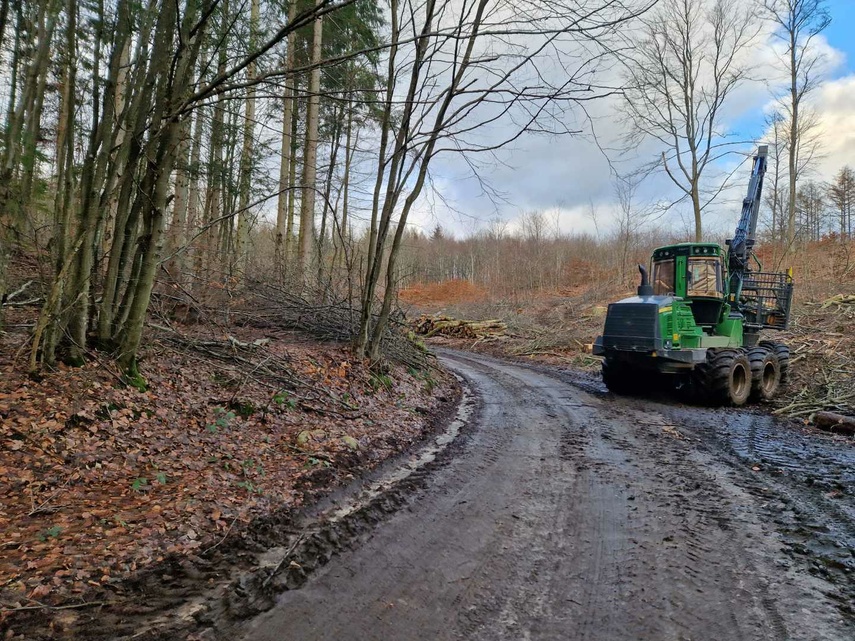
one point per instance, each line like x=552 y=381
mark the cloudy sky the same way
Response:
x=568 y=177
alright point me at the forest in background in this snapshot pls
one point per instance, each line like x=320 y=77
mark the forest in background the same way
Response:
x=194 y=152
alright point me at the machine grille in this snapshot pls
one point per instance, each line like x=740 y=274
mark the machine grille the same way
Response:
x=632 y=326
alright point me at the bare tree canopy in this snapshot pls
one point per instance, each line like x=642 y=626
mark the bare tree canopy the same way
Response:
x=161 y=166
x=797 y=24
x=689 y=60
x=473 y=65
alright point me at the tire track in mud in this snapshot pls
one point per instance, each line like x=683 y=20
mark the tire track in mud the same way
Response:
x=805 y=481
x=693 y=552
x=566 y=514
x=800 y=481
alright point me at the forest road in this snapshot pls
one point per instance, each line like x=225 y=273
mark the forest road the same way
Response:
x=569 y=513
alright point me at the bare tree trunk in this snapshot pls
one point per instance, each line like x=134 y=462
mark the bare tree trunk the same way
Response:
x=696 y=208
x=246 y=160
x=65 y=139
x=119 y=210
x=422 y=159
x=97 y=180
x=5 y=217
x=292 y=178
x=367 y=302
x=193 y=197
x=774 y=195
x=213 y=208
x=4 y=14
x=793 y=146
x=29 y=96
x=335 y=143
x=797 y=23
x=32 y=128
x=393 y=192
x=227 y=229
x=64 y=163
x=16 y=63
x=72 y=285
x=340 y=237
x=158 y=171
x=28 y=103
x=288 y=133
x=310 y=158
x=177 y=236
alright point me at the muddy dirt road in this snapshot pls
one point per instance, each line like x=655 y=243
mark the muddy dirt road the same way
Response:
x=568 y=513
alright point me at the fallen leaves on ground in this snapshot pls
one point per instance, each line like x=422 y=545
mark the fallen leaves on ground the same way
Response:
x=101 y=480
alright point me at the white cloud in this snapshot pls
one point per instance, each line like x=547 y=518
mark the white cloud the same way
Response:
x=834 y=103
x=570 y=174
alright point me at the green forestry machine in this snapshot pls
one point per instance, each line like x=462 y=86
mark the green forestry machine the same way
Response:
x=699 y=321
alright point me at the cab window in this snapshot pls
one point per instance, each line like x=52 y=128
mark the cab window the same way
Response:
x=705 y=278
x=663 y=277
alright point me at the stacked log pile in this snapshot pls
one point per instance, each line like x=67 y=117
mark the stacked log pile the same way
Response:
x=429 y=326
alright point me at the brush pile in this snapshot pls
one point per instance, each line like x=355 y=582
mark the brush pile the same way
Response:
x=822 y=371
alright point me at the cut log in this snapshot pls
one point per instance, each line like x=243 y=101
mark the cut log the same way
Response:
x=457 y=328
x=839 y=299
x=837 y=423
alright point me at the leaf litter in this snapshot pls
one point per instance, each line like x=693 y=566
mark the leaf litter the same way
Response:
x=102 y=481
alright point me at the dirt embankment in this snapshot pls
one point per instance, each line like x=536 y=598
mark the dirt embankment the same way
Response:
x=105 y=485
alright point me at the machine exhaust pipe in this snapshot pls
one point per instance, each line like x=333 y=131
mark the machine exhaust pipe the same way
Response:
x=645 y=289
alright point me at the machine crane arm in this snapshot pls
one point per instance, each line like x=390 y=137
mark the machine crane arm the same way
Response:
x=742 y=243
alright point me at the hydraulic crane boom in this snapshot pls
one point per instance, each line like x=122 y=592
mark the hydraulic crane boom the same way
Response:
x=742 y=243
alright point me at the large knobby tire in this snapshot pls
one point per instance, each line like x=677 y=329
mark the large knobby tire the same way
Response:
x=765 y=373
x=618 y=377
x=783 y=353
x=725 y=378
